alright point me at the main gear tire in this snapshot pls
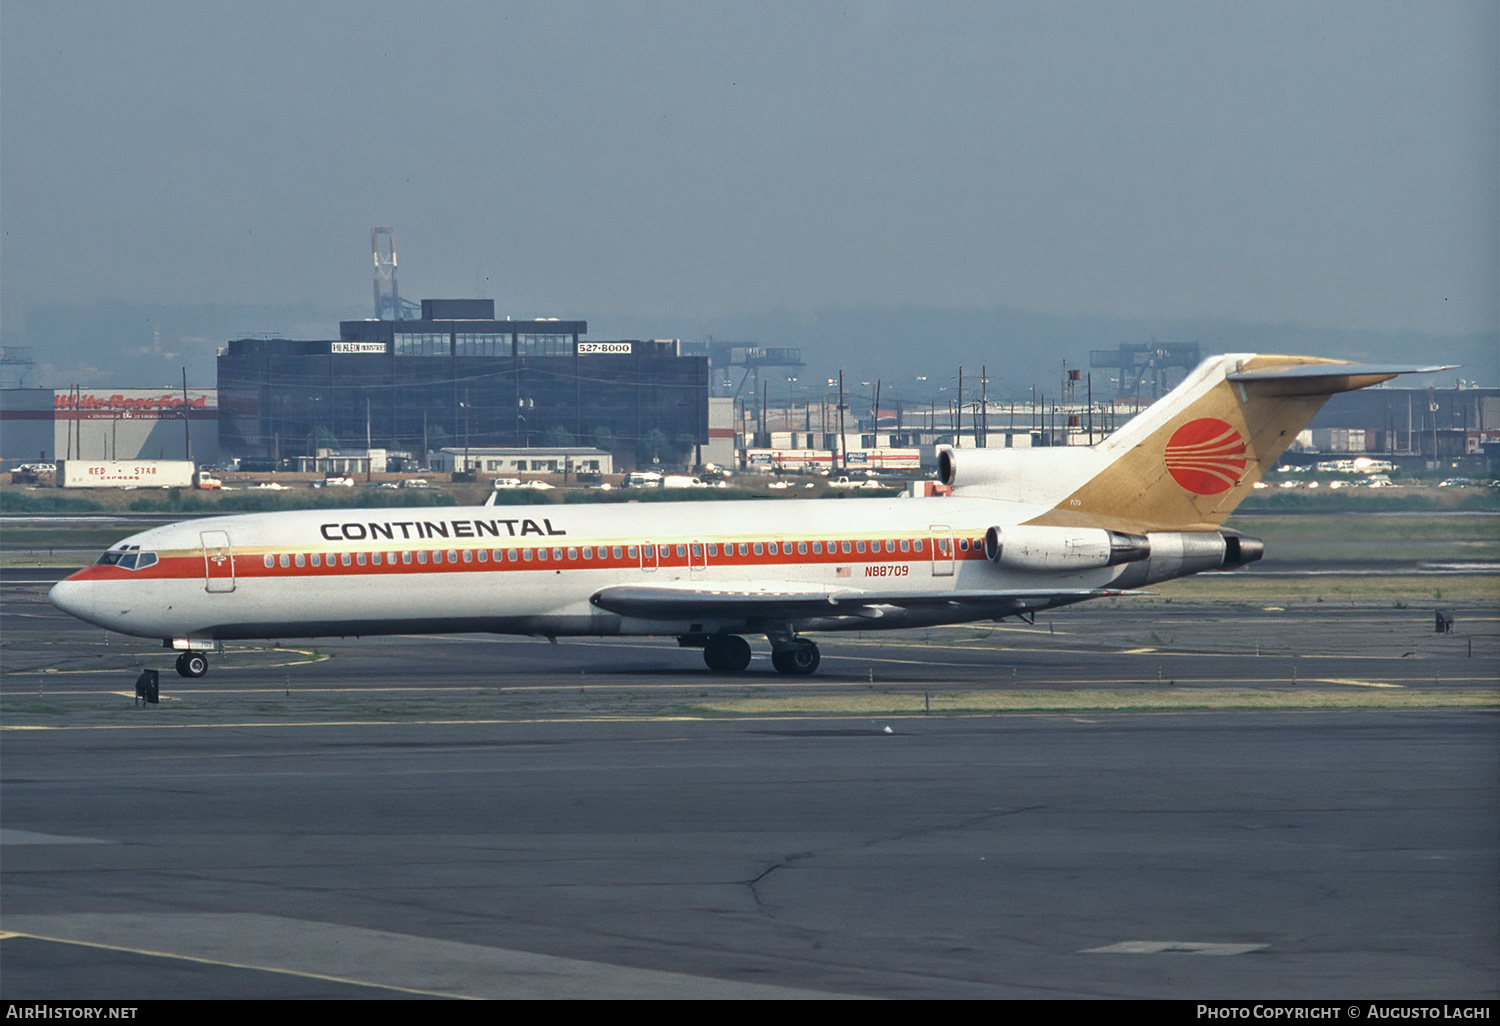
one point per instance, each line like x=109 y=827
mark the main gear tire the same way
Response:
x=798 y=661
x=728 y=653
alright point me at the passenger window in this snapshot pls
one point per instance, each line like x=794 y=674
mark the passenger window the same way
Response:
x=270 y=560
x=713 y=548
x=360 y=558
x=468 y=555
x=316 y=559
x=406 y=557
x=633 y=550
x=452 y=556
x=905 y=544
x=300 y=560
x=845 y=546
x=758 y=549
x=541 y=554
x=817 y=548
x=890 y=546
x=557 y=554
x=588 y=552
x=526 y=555
x=917 y=545
x=681 y=551
x=572 y=554
x=859 y=546
x=617 y=552
x=744 y=549
x=802 y=548
x=422 y=557
x=512 y=554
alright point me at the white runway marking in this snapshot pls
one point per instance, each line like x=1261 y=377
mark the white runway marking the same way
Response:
x=376 y=958
x=8 y=836
x=1173 y=948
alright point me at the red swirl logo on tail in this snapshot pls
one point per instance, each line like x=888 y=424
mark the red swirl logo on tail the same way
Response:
x=1206 y=456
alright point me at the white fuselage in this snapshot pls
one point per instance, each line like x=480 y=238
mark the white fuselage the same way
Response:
x=535 y=569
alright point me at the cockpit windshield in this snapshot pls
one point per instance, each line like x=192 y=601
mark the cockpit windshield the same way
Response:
x=129 y=558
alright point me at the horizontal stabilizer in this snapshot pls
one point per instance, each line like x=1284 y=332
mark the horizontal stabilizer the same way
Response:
x=1324 y=378
x=1327 y=370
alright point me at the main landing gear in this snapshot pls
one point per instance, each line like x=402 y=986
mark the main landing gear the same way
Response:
x=799 y=660
x=730 y=653
x=726 y=653
x=192 y=664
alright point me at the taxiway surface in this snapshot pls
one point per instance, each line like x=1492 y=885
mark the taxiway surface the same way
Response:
x=502 y=817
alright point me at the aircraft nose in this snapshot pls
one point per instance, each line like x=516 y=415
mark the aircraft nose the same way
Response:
x=72 y=597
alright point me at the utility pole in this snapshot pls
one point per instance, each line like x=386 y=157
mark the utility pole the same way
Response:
x=187 y=431
x=958 y=427
x=1091 y=407
x=838 y=451
x=982 y=438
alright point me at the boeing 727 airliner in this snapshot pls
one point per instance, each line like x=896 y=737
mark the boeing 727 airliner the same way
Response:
x=1023 y=530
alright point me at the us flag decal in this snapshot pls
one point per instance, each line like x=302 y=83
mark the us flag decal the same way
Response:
x=1206 y=456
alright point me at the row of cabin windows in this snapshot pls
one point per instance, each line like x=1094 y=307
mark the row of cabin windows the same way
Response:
x=588 y=552
x=135 y=560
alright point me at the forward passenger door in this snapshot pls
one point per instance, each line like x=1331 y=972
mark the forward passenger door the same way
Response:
x=218 y=561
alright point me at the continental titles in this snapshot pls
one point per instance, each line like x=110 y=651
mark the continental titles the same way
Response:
x=405 y=530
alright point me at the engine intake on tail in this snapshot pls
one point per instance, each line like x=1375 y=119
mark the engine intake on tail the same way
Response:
x=1060 y=549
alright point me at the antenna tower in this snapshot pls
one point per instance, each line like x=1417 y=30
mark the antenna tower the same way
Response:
x=387 y=298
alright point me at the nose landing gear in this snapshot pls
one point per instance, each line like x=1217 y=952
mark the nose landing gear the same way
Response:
x=192 y=664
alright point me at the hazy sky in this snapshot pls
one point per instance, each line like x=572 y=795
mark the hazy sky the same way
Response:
x=1327 y=164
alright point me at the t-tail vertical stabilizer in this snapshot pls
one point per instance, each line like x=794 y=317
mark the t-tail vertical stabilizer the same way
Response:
x=1185 y=462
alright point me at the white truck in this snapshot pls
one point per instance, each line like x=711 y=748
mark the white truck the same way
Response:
x=125 y=473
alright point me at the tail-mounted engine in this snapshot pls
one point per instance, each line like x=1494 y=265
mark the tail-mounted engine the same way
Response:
x=1164 y=554
x=1055 y=549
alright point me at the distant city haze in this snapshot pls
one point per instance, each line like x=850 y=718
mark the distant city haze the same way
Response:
x=897 y=188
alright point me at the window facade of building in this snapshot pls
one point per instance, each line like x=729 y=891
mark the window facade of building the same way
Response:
x=420 y=386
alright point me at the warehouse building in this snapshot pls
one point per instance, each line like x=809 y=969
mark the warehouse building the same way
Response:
x=43 y=425
x=458 y=377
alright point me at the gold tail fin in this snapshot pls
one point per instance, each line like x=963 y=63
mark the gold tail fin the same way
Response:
x=1186 y=461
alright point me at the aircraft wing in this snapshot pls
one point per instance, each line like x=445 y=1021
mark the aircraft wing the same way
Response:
x=781 y=601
